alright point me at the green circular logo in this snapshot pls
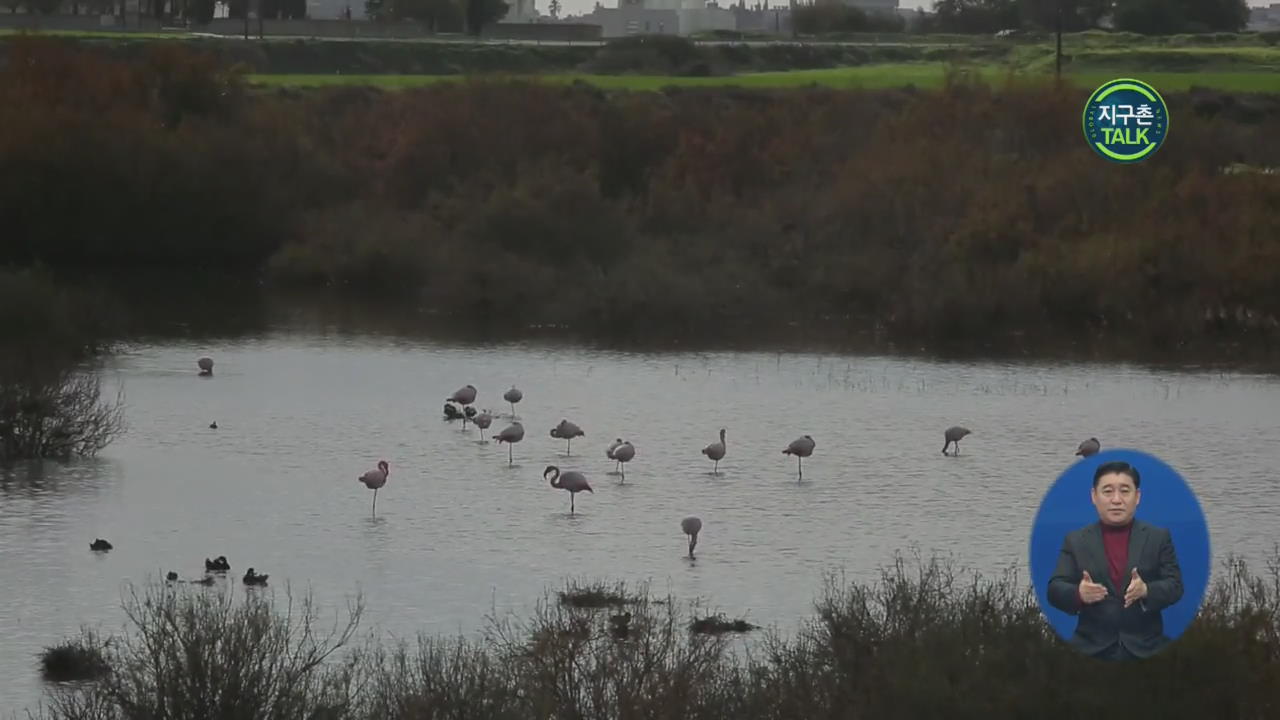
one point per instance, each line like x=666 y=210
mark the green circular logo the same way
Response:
x=1125 y=120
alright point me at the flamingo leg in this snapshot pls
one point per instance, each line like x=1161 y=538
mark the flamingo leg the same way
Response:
x=800 y=467
x=567 y=445
x=624 y=473
x=571 y=508
x=717 y=470
x=509 y=460
x=375 y=501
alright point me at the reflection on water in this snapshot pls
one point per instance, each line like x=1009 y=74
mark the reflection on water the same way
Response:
x=458 y=534
x=216 y=307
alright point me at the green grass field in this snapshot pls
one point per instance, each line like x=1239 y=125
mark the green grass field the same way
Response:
x=924 y=75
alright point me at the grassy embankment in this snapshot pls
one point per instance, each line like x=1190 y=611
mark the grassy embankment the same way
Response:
x=1239 y=63
x=1248 y=62
x=923 y=642
x=699 y=211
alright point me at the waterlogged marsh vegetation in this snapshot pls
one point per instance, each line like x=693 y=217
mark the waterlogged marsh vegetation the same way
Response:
x=923 y=639
x=301 y=405
x=645 y=216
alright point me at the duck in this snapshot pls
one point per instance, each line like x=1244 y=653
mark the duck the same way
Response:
x=620 y=625
x=252 y=578
x=218 y=565
x=171 y=576
x=451 y=412
x=100 y=545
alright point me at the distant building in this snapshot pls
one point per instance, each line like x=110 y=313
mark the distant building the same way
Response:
x=884 y=5
x=687 y=17
x=1264 y=18
x=520 y=11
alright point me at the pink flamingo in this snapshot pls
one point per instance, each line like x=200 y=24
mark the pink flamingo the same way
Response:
x=801 y=447
x=375 y=479
x=573 y=481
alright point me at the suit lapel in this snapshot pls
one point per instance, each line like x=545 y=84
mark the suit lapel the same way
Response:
x=1137 y=543
x=1096 y=563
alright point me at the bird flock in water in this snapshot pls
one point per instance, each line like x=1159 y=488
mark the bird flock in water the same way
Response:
x=461 y=406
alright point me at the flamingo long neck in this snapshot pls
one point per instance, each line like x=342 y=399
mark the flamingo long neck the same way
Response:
x=555 y=479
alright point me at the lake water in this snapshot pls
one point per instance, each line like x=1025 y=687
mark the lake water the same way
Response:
x=458 y=534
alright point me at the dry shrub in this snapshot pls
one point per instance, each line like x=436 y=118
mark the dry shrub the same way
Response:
x=926 y=639
x=968 y=212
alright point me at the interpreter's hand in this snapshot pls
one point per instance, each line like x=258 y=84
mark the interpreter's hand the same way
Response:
x=1137 y=589
x=1090 y=591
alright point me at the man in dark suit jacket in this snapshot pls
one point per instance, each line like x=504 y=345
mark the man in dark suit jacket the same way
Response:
x=1118 y=574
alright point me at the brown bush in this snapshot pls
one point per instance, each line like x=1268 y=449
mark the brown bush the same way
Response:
x=968 y=212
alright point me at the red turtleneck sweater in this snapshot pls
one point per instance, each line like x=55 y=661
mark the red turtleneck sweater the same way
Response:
x=1115 y=541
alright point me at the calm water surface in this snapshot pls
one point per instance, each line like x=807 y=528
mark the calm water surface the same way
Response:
x=459 y=535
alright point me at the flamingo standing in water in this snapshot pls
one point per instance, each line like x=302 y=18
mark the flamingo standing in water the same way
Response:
x=483 y=421
x=715 y=451
x=573 y=481
x=954 y=434
x=608 y=452
x=691 y=527
x=374 y=479
x=567 y=431
x=801 y=447
x=464 y=396
x=623 y=454
x=513 y=396
x=510 y=435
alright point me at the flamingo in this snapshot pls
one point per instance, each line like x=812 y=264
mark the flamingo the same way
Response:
x=513 y=396
x=510 y=435
x=954 y=434
x=1089 y=447
x=483 y=421
x=464 y=396
x=715 y=451
x=801 y=447
x=567 y=431
x=573 y=481
x=691 y=527
x=608 y=452
x=206 y=365
x=623 y=454
x=374 y=479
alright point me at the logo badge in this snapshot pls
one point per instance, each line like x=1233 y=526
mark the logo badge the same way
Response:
x=1125 y=120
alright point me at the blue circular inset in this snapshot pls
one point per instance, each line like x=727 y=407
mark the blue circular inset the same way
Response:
x=1125 y=120
x=1164 y=502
